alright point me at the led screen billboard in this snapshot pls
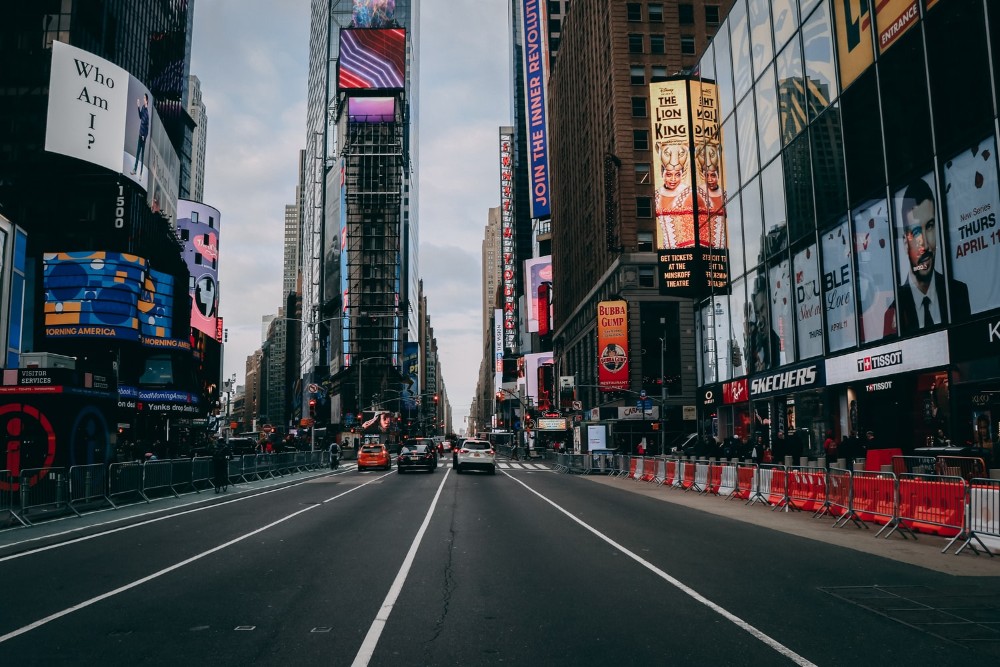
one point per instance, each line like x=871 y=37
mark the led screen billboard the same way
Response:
x=373 y=13
x=92 y=294
x=156 y=305
x=536 y=271
x=198 y=226
x=612 y=345
x=371 y=109
x=536 y=75
x=372 y=59
x=99 y=113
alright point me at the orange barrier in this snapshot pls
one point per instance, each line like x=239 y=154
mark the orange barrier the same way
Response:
x=633 y=465
x=648 y=470
x=838 y=494
x=744 y=481
x=671 y=476
x=714 y=479
x=876 y=458
x=687 y=475
x=933 y=504
x=874 y=496
x=807 y=488
x=777 y=495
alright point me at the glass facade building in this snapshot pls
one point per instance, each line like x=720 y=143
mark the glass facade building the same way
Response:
x=860 y=158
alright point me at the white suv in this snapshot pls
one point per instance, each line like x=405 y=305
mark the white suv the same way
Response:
x=476 y=454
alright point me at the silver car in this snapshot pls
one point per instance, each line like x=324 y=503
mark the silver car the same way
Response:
x=476 y=455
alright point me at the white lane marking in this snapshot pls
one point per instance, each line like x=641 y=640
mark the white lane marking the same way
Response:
x=684 y=588
x=367 y=649
x=198 y=501
x=176 y=566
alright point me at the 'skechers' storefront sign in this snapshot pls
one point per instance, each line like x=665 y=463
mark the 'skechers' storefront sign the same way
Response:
x=796 y=378
x=915 y=354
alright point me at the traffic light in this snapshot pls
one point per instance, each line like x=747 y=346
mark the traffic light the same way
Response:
x=435 y=399
x=312 y=407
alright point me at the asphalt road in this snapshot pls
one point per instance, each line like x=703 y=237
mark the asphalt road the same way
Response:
x=527 y=567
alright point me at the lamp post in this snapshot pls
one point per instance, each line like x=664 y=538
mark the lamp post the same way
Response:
x=663 y=395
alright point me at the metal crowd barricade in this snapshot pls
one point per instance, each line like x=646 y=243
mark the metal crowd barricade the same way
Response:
x=264 y=464
x=746 y=482
x=181 y=474
x=44 y=488
x=157 y=475
x=873 y=498
x=8 y=486
x=773 y=476
x=966 y=467
x=248 y=467
x=88 y=484
x=689 y=470
x=761 y=491
x=838 y=493
x=561 y=463
x=700 y=482
x=621 y=465
x=983 y=520
x=234 y=471
x=728 y=480
x=934 y=504
x=917 y=465
x=125 y=479
x=806 y=488
x=201 y=471
x=670 y=472
x=661 y=471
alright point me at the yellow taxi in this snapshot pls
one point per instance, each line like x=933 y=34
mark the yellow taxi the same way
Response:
x=374 y=456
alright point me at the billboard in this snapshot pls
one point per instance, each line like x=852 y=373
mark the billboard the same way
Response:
x=808 y=302
x=853 y=24
x=536 y=271
x=498 y=341
x=612 y=345
x=198 y=226
x=373 y=13
x=508 y=277
x=372 y=59
x=838 y=287
x=873 y=255
x=691 y=233
x=155 y=309
x=371 y=109
x=923 y=292
x=411 y=384
x=531 y=364
x=536 y=81
x=972 y=200
x=893 y=18
x=92 y=294
x=98 y=113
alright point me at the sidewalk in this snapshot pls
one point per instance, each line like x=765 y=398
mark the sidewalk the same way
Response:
x=924 y=552
x=69 y=526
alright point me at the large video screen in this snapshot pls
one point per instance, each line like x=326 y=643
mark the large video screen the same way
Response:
x=198 y=226
x=372 y=59
x=92 y=294
x=371 y=109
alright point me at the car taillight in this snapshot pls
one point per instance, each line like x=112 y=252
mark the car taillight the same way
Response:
x=490 y=452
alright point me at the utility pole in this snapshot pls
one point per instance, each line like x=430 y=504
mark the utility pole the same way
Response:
x=663 y=395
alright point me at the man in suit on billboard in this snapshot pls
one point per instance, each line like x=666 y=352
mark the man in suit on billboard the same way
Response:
x=923 y=295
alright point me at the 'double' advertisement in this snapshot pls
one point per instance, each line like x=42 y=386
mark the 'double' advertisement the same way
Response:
x=971 y=197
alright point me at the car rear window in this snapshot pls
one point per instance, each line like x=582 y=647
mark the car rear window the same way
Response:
x=415 y=448
x=474 y=444
x=371 y=449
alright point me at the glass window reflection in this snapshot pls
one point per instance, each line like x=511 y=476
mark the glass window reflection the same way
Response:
x=734 y=227
x=706 y=68
x=780 y=281
x=798 y=189
x=821 y=74
x=768 y=133
x=760 y=34
x=772 y=183
x=808 y=302
x=730 y=155
x=753 y=228
x=746 y=135
x=724 y=70
x=785 y=14
x=762 y=341
x=827 y=139
x=738 y=334
x=740 y=41
x=791 y=92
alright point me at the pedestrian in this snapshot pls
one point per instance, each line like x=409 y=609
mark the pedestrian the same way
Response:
x=334 y=455
x=220 y=465
x=514 y=454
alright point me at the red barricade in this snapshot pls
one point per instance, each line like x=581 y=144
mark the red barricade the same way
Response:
x=838 y=494
x=687 y=480
x=932 y=504
x=874 y=496
x=671 y=475
x=714 y=479
x=807 y=488
x=744 y=481
x=648 y=470
x=633 y=463
x=777 y=496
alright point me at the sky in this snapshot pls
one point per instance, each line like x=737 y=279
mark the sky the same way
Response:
x=252 y=58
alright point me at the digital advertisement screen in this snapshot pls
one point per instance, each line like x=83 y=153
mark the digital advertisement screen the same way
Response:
x=92 y=294
x=372 y=59
x=156 y=305
x=371 y=109
x=99 y=113
x=373 y=13
x=198 y=225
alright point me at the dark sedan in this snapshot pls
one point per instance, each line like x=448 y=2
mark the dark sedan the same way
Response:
x=416 y=454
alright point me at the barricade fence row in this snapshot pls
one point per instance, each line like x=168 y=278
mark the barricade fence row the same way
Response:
x=944 y=496
x=30 y=493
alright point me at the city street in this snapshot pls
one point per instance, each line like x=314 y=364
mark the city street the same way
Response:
x=525 y=567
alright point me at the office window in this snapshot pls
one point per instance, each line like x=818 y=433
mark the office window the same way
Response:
x=644 y=241
x=642 y=173
x=639 y=107
x=655 y=10
x=646 y=275
x=637 y=75
x=635 y=43
x=687 y=46
x=685 y=14
x=194 y=216
x=185 y=235
x=554 y=8
x=640 y=140
x=555 y=25
x=657 y=44
x=659 y=73
x=712 y=14
x=634 y=11
x=644 y=207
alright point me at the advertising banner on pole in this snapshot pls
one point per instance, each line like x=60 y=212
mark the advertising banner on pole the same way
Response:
x=612 y=345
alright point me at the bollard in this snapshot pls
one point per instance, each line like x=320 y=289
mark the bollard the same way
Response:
x=789 y=460
x=994 y=473
x=821 y=462
x=803 y=461
x=886 y=467
x=841 y=463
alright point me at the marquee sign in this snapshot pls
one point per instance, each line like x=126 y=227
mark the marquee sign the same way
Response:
x=507 y=246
